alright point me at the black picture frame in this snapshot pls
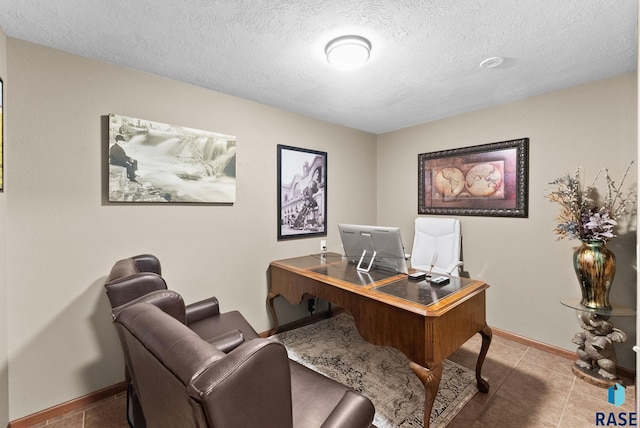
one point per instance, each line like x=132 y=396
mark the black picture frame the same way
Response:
x=483 y=180
x=302 y=193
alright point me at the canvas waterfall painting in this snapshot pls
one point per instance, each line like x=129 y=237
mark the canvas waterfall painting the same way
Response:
x=155 y=162
x=1 y=138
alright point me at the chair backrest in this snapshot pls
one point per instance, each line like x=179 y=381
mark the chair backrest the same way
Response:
x=181 y=380
x=148 y=263
x=436 y=241
x=132 y=278
x=168 y=300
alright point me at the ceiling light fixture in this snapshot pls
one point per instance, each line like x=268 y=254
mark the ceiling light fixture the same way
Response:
x=492 y=62
x=348 y=52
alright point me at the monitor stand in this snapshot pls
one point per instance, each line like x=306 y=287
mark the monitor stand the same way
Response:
x=360 y=266
x=367 y=244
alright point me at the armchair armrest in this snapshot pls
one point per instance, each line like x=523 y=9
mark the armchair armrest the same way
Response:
x=203 y=309
x=454 y=268
x=249 y=387
x=228 y=341
x=353 y=411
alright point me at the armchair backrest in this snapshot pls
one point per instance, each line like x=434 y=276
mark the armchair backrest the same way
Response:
x=132 y=278
x=181 y=380
x=168 y=301
x=148 y=263
x=437 y=241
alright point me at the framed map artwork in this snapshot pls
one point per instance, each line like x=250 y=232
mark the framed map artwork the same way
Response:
x=484 y=180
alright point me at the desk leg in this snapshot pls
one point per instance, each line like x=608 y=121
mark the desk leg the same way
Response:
x=487 y=334
x=431 y=381
x=272 y=309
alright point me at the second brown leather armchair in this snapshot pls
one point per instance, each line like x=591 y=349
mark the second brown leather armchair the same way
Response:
x=183 y=381
x=138 y=278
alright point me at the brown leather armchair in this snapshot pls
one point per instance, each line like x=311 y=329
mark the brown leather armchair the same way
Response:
x=183 y=381
x=139 y=278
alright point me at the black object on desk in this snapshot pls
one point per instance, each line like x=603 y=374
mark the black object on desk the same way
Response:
x=417 y=276
x=439 y=280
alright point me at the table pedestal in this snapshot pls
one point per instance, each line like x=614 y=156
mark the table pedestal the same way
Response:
x=596 y=363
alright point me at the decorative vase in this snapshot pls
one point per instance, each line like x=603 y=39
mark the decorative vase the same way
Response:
x=595 y=267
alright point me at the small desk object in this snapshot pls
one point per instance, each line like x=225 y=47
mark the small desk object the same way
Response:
x=426 y=322
x=596 y=363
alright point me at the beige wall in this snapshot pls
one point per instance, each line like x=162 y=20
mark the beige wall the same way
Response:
x=63 y=239
x=4 y=366
x=589 y=126
x=60 y=238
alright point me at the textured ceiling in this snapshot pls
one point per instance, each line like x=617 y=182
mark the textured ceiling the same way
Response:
x=424 y=59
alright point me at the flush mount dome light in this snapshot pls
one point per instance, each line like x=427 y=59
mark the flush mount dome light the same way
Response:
x=348 y=52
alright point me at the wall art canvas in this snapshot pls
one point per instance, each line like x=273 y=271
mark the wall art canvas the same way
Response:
x=485 y=180
x=156 y=162
x=1 y=137
x=302 y=193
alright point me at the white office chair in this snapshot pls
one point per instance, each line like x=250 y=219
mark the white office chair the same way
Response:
x=436 y=245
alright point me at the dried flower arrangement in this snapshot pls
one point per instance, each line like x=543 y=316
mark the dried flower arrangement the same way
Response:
x=581 y=214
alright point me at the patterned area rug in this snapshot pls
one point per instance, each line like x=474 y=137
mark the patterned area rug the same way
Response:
x=334 y=348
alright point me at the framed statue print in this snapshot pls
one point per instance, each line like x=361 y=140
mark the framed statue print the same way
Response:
x=302 y=193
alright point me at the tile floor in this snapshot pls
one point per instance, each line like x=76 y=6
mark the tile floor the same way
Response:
x=529 y=388
x=533 y=389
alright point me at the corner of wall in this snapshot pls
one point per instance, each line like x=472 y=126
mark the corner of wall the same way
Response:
x=4 y=376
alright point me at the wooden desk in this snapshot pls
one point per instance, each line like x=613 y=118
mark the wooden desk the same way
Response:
x=427 y=323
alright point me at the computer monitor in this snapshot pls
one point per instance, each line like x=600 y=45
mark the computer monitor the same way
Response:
x=373 y=247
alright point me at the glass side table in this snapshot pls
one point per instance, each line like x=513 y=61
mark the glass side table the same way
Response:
x=596 y=363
